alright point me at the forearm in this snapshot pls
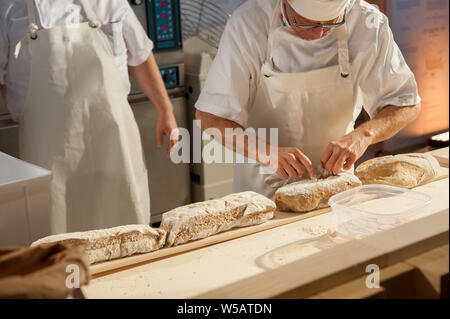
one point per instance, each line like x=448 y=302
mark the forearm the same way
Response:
x=241 y=143
x=149 y=79
x=345 y=152
x=388 y=122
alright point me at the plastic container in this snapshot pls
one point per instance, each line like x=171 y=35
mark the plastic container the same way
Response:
x=365 y=210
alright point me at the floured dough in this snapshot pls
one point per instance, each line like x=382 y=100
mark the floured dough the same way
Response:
x=311 y=194
x=405 y=170
x=107 y=244
x=204 y=219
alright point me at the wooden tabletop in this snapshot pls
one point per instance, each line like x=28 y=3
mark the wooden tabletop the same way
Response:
x=226 y=259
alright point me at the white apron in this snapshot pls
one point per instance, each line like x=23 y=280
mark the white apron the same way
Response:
x=77 y=122
x=310 y=110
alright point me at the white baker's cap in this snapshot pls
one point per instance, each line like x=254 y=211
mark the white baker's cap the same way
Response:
x=319 y=10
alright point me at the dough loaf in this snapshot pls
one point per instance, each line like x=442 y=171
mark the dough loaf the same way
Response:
x=405 y=170
x=107 y=244
x=204 y=219
x=310 y=194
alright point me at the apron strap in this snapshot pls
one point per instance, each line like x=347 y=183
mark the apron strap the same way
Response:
x=94 y=22
x=276 y=21
x=32 y=17
x=32 y=26
x=343 y=55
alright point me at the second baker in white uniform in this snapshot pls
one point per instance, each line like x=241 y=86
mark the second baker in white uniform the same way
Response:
x=67 y=85
x=307 y=68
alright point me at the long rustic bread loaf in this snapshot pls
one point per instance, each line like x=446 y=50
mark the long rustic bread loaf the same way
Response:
x=107 y=244
x=204 y=219
x=310 y=194
x=405 y=170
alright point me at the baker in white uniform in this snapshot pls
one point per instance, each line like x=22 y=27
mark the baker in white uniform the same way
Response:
x=307 y=67
x=64 y=75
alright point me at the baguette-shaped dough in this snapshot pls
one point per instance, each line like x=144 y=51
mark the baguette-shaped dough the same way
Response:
x=310 y=194
x=405 y=170
x=107 y=244
x=204 y=219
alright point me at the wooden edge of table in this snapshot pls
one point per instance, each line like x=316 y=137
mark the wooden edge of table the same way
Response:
x=357 y=288
x=421 y=276
x=280 y=219
x=332 y=267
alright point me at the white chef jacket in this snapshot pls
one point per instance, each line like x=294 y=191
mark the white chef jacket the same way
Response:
x=129 y=42
x=380 y=74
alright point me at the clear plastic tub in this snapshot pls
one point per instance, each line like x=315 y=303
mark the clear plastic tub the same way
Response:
x=369 y=209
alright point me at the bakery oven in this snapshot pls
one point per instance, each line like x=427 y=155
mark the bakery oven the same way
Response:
x=169 y=182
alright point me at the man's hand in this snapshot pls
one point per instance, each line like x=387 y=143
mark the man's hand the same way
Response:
x=148 y=76
x=290 y=163
x=286 y=162
x=167 y=126
x=388 y=122
x=342 y=154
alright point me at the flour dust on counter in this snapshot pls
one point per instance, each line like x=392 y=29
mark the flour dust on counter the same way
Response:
x=192 y=273
x=316 y=230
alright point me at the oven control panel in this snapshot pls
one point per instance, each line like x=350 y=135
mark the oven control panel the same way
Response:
x=171 y=77
x=164 y=26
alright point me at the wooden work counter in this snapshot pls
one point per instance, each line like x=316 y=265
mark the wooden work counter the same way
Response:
x=218 y=270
